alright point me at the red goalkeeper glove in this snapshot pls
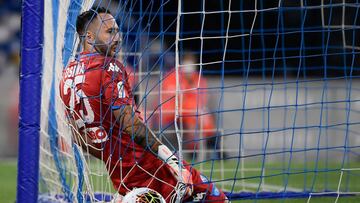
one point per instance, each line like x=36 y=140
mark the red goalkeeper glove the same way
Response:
x=184 y=177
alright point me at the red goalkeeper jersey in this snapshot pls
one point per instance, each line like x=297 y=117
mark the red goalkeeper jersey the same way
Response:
x=92 y=87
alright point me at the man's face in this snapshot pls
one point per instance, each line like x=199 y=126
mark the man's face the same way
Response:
x=106 y=34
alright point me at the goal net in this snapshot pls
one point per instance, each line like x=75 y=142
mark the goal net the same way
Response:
x=260 y=96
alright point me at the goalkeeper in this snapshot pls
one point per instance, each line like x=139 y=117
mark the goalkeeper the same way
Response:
x=100 y=105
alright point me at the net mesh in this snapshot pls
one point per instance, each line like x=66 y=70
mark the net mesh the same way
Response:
x=264 y=94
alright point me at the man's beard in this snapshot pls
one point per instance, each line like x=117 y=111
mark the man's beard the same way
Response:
x=105 y=49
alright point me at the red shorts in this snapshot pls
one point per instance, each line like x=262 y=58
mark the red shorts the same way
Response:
x=157 y=176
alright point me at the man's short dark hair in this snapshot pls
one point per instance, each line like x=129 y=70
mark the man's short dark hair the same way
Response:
x=85 y=18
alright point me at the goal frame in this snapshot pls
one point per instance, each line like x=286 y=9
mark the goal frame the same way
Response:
x=30 y=78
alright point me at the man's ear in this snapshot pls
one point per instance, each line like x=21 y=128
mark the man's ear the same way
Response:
x=90 y=39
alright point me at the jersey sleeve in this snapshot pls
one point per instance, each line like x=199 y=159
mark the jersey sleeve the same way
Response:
x=115 y=86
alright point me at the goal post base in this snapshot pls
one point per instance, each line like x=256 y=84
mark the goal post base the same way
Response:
x=277 y=195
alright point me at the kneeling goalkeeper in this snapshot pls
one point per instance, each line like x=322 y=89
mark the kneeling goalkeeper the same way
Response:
x=100 y=105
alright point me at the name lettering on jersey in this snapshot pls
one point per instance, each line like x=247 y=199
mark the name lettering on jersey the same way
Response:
x=113 y=67
x=76 y=69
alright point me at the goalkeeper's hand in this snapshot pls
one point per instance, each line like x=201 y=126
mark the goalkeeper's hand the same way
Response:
x=182 y=190
x=185 y=184
x=184 y=177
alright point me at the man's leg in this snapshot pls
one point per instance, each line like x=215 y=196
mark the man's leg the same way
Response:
x=204 y=190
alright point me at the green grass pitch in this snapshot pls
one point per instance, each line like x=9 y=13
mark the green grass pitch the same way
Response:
x=273 y=176
x=8 y=171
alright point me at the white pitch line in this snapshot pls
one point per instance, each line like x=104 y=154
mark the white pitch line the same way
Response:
x=268 y=187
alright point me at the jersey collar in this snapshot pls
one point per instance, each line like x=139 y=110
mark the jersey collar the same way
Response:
x=87 y=54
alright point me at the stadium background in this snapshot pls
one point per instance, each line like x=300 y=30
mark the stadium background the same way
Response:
x=10 y=18
x=10 y=21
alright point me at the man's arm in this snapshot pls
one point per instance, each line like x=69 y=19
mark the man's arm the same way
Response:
x=80 y=138
x=134 y=126
x=131 y=124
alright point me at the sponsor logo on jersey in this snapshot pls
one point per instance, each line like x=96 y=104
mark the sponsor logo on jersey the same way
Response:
x=97 y=134
x=121 y=90
x=113 y=67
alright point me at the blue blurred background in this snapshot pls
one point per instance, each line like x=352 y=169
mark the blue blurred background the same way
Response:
x=10 y=22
